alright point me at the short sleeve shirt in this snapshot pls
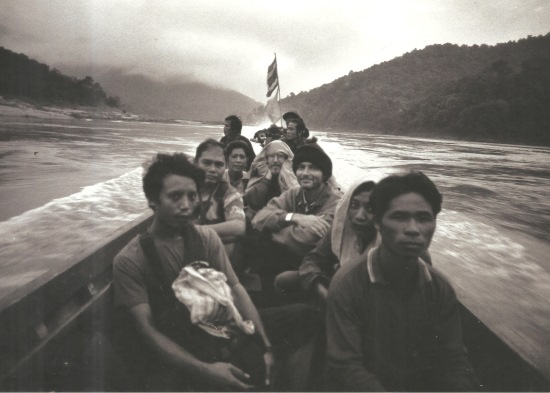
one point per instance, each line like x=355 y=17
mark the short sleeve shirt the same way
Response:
x=131 y=269
x=233 y=207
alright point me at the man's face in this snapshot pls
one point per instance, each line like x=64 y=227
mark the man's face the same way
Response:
x=227 y=128
x=309 y=176
x=291 y=132
x=408 y=225
x=177 y=201
x=212 y=162
x=275 y=162
x=360 y=211
x=236 y=161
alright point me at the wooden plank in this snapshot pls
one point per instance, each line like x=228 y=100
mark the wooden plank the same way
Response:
x=38 y=313
x=86 y=263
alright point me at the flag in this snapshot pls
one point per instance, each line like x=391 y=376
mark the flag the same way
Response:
x=273 y=110
x=272 y=78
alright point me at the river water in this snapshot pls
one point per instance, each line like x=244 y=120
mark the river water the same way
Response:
x=67 y=184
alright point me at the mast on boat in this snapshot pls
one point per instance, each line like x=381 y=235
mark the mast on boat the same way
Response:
x=273 y=108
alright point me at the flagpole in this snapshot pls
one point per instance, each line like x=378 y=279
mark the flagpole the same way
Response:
x=279 y=89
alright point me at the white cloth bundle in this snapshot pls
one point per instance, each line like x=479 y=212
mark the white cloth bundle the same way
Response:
x=205 y=293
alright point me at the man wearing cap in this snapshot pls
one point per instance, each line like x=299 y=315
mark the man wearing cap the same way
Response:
x=296 y=131
x=300 y=216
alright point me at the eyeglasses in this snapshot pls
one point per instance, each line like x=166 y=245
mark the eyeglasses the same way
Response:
x=278 y=156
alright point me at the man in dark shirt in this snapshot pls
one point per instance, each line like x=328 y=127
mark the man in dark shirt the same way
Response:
x=393 y=321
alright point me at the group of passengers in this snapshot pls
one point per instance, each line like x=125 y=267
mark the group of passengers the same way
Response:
x=347 y=298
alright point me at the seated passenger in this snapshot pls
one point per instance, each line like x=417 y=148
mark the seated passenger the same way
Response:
x=296 y=134
x=232 y=132
x=273 y=133
x=259 y=137
x=270 y=175
x=352 y=234
x=289 y=116
x=299 y=217
x=238 y=156
x=174 y=343
x=222 y=206
x=393 y=321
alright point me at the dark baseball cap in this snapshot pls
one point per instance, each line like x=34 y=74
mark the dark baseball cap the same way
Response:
x=291 y=115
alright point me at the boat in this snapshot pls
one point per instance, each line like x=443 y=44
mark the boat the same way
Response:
x=56 y=332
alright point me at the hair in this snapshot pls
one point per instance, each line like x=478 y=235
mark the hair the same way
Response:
x=257 y=133
x=393 y=186
x=205 y=145
x=301 y=128
x=365 y=186
x=274 y=132
x=235 y=123
x=169 y=164
x=239 y=145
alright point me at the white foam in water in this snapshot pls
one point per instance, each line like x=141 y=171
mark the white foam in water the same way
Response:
x=80 y=220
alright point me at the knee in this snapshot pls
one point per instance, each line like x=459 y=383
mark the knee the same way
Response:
x=288 y=281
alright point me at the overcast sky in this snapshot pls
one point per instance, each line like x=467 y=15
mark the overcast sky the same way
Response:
x=231 y=43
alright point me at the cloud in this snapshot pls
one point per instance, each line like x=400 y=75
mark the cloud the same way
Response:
x=231 y=43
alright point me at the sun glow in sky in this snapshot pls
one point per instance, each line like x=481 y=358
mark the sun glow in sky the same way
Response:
x=231 y=43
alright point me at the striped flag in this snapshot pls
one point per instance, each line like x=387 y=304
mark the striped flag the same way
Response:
x=272 y=78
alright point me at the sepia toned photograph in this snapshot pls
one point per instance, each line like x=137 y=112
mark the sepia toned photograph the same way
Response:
x=251 y=195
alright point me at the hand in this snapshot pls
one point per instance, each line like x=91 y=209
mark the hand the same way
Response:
x=313 y=223
x=322 y=292
x=269 y=361
x=229 y=377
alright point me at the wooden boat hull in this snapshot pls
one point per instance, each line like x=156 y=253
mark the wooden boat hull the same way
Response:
x=56 y=332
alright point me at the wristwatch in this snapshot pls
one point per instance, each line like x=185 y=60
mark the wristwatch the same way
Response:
x=288 y=217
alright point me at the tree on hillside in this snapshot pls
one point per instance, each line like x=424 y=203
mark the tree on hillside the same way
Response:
x=495 y=92
x=26 y=78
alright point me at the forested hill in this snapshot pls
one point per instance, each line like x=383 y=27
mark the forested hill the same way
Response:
x=22 y=77
x=499 y=93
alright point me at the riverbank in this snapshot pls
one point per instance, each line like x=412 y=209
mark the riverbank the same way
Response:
x=13 y=107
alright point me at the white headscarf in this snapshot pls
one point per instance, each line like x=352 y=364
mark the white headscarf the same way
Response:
x=344 y=240
x=259 y=168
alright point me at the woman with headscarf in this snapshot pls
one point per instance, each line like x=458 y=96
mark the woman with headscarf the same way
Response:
x=270 y=175
x=351 y=236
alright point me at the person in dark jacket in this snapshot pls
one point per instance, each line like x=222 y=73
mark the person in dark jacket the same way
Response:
x=393 y=321
x=300 y=216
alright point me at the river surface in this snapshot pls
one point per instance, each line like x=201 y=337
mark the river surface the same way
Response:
x=67 y=184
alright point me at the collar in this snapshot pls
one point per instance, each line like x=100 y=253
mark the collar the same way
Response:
x=375 y=270
x=306 y=206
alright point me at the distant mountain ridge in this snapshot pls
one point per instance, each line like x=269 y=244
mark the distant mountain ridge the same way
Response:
x=25 y=78
x=499 y=93
x=173 y=99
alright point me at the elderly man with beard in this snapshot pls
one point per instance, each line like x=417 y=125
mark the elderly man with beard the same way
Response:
x=271 y=174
